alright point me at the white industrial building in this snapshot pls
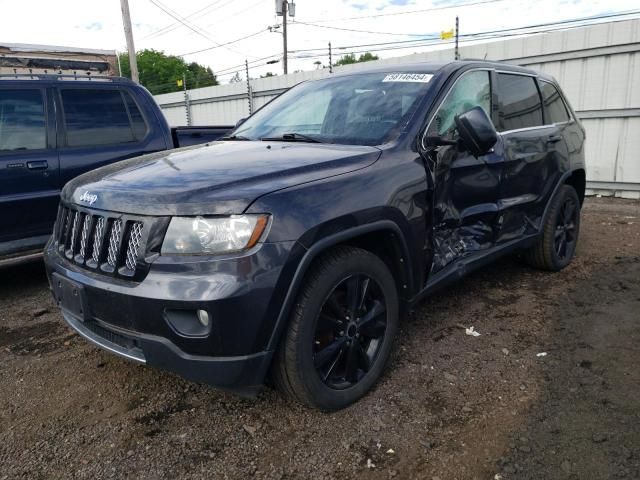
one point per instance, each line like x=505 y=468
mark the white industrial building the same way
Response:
x=598 y=66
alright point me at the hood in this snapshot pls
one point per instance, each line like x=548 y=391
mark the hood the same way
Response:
x=219 y=178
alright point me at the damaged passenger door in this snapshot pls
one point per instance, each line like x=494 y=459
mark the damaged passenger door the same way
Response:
x=466 y=188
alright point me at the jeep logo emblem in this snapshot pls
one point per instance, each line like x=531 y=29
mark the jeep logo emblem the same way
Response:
x=88 y=198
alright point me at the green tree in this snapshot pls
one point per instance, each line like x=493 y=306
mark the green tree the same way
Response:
x=160 y=72
x=268 y=74
x=351 y=58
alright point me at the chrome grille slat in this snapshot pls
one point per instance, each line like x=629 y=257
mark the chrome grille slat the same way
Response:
x=135 y=238
x=67 y=228
x=84 y=236
x=74 y=234
x=114 y=242
x=97 y=240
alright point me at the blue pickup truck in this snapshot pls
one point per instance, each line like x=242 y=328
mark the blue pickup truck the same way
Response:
x=55 y=127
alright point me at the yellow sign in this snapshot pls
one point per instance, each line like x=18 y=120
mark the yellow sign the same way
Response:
x=179 y=82
x=447 y=35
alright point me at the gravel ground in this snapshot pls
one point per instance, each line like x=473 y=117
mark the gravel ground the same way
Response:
x=450 y=406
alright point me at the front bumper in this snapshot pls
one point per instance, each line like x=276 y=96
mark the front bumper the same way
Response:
x=242 y=293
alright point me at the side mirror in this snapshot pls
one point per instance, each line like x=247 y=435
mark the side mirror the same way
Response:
x=476 y=131
x=240 y=122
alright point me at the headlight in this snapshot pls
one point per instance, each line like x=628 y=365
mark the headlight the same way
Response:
x=211 y=235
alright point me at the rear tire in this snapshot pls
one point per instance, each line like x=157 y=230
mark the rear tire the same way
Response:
x=557 y=245
x=340 y=332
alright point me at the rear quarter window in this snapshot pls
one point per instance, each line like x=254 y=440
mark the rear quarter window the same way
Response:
x=555 y=110
x=520 y=102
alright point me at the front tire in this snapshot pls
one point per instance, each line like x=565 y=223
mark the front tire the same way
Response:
x=557 y=245
x=341 y=330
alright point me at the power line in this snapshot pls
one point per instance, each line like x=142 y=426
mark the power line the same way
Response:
x=166 y=29
x=494 y=34
x=505 y=30
x=224 y=44
x=193 y=28
x=433 y=9
x=357 y=31
x=182 y=20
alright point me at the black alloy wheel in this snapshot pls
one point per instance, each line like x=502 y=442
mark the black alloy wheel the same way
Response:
x=565 y=233
x=558 y=239
x=340 y=332
x=349 y=331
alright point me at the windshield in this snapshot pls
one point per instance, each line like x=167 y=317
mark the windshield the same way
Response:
x=364 y=109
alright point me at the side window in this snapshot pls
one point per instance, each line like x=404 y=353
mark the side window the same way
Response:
x=472 y=89
x=22 y=120
x=95 y=117
x=138 y=125
x=521 y=106
x=555 y=110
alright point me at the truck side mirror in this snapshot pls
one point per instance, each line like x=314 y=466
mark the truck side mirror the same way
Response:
x=240 y=122
x=476 y=131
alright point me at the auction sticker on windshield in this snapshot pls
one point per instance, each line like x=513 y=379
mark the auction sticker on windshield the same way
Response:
x=408 y=77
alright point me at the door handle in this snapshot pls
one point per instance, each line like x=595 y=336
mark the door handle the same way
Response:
x=37 y=165
x=554 y=138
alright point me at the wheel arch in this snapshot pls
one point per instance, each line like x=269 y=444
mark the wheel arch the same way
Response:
x=384 y=238
x=578 y=180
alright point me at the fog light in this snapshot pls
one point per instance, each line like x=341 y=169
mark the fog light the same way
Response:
x=203 y=316
x=189 y=323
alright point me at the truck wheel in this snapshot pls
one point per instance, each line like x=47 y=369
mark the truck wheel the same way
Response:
x=557 y=244
x=340 y=332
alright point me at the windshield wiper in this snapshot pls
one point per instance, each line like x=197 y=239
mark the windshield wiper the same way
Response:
x=234 y=137
x=293 y=137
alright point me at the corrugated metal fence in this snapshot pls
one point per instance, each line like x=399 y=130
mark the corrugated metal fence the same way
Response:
x=597 y=66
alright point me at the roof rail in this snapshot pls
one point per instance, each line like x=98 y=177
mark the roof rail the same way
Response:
x=63 y=77
x=471 y=59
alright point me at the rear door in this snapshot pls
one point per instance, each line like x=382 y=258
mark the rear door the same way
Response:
x=101 y=124
x=29 y=183
x=533 y=151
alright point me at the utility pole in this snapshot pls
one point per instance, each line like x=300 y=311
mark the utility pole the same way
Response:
x=284 y=7
x=457 y=53
x=187 y=100
x=284 y=34
x=330 y=60
x=128 y=33
x=249 y=95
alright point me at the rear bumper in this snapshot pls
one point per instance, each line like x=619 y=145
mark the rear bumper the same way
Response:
x=243 y=295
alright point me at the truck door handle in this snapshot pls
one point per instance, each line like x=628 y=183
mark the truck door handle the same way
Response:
x=554 y=138
x=37 y=165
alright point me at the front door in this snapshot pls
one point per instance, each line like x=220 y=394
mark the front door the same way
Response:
x=29 y=184
x=465 y=188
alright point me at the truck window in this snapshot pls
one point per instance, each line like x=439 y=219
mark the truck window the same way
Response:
x=22 y=122
x=138 y=125
x=473 y=89
x=555 y=110
x=95 y=117
x=521 y=106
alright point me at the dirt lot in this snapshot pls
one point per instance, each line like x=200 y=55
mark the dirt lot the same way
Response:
x=451 y=406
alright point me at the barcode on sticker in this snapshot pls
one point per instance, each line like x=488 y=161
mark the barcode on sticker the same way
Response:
x=408 y=77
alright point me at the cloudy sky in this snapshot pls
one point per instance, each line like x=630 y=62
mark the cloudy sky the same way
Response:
x=346 y=23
